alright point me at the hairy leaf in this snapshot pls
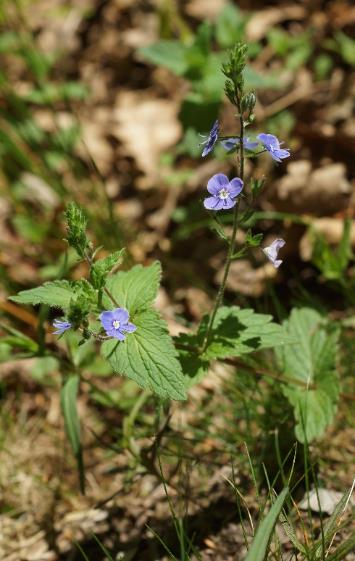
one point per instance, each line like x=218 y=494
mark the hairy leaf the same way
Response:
x=136 y=289
x=311 y=360
x=56 y=294
x=236 y=332
x=148 y=357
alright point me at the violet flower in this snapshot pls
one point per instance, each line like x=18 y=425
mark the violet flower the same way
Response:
x=61 y=326
x=115 y=323
x=272 y=144
x=272 y=250
x=224 y=192
x=231 y=143
x=211 y=139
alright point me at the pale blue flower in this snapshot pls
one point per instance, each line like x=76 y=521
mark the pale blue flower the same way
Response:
x=211 y=139
x=224 y=192
x=61 y=326
x=115 y=323
x=272 y=250
x=272 y=144
x=231 y=143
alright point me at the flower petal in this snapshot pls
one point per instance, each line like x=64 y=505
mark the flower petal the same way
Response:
x=129 y=327
x=229 y=143
x=121 y=315
x=106 y=319
x=235 y=187
x=211 y=203
x=228 y=203
x=117 y=334
x=269 y=140
x=249 y=145
x=216 y=183
x=282 y=153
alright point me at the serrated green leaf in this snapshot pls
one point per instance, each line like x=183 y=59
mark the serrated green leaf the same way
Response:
x=56 y=294
x=311 y=360
x=148 y=357
x=237 y=332
x=135 y=289
x=259 y=545
x=194 y=366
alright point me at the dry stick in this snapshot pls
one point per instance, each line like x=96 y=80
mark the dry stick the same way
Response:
x=232 y=244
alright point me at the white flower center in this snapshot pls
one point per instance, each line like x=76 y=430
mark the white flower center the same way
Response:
x=116 y=324
x=223 y=194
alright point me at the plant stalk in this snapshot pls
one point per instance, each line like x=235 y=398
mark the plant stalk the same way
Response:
x=232 y=243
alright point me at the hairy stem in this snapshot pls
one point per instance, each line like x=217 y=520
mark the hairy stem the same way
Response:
x=232 y=243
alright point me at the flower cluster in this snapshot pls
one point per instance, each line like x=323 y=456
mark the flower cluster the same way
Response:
x=225 y=192
x=268 y=142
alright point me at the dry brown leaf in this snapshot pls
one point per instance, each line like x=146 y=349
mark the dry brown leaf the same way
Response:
x=323 y=190
x=146 y=127
x=261 y=21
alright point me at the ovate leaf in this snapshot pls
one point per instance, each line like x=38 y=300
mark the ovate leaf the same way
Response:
x=56 y=294
x=312 y=361
x=148 y=357
x=136 y=289
x=236 y=332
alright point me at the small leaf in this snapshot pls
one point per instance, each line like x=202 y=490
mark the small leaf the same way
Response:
x=253 y=240
x=102 y=267
x=261 y=540
x=56 y=294
x=311 y=360
x=68 y=398
x=148 y=357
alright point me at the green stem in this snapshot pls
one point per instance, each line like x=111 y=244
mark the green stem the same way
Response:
x=232 y=243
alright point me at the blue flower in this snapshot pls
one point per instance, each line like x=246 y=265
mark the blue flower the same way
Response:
x=231 y=143
x=224 y=192
x=272 y=145
x=272 y=250
x=115 y=323
x=211 y=139
x=61 y=326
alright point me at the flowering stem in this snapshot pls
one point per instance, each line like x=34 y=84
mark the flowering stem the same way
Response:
x=232 y=243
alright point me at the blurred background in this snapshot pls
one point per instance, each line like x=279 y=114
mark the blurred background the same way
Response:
x=102 y=102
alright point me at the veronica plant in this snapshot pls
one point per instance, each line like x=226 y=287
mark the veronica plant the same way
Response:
x=114 y=308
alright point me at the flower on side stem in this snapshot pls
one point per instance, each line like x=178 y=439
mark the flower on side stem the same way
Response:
x=115 y=323
x=231 y=143
x=272 y=144
x=61 y=326
x=272 y=250
x=211 y=139
x=224 y=192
